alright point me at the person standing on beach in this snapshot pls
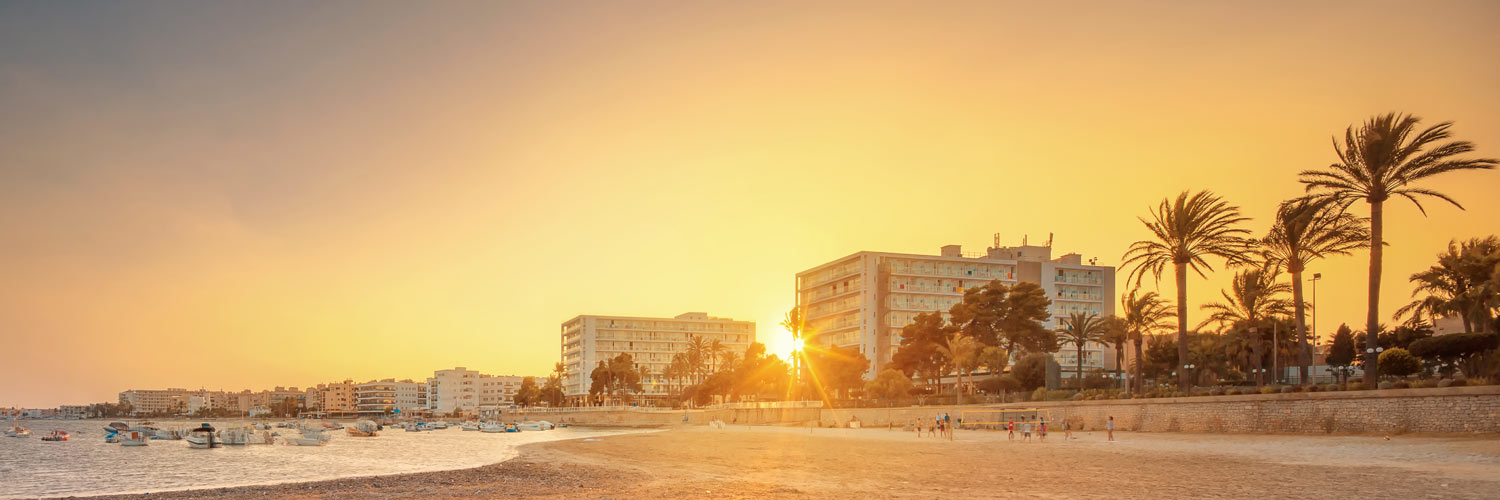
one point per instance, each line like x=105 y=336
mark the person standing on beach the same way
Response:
x=1067 y=430
x=1012 y=428
x=1026 y=432
x=1041 y=434
x=916 y=425
x=1109 y=428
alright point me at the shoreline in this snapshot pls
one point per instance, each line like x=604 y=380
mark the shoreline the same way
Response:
x=296 y=489
x=808 y=462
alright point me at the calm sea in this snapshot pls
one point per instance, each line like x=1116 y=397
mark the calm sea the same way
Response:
x=86 y=465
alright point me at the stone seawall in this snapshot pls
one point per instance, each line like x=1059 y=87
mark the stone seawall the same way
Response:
x=1449 y=410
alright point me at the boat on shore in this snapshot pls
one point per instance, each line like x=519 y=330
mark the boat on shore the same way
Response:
x=235 y=436
x=203 y=437
x=133 y=436
x=469 y=426
x=310 y=436
x=363 y=428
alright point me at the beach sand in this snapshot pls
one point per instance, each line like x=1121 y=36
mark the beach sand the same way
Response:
x=788 y=462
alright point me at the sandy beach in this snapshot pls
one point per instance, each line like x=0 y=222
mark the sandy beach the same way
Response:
x=788 y=462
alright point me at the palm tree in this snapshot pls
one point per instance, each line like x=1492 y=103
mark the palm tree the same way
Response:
x=1116 y=333
x=1145 y=314
x=697 y=352
x=1187 y=231
x=728 y=360
x=1252 y=297
x=716 y=349
x=796 y=324
x=1079 y=329
x=1459 y=285
x=961 y=352
x=1387 y=157
x=1305 y=230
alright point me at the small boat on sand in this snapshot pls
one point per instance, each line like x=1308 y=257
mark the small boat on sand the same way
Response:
x=311 y=436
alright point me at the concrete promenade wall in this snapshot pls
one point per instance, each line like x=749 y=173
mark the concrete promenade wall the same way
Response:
x=1448 y=410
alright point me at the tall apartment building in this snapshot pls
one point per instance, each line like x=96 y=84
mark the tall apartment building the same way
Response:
x=456 y=389
x=148 y=401
x=498 y=390
x=651 y=342
x=864 y=299
x=385 y=397
x=335 y=398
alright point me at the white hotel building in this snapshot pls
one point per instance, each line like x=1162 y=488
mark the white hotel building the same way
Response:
x=864 y=299
x=651 y=342
x=467 y=391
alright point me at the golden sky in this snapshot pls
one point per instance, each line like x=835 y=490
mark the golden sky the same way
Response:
x=248 y=195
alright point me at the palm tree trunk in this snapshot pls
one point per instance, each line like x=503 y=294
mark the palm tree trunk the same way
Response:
x=1182 y=350
x=1120 y=363
x=1372 y=319
x=1304 y=353
x=1140 y=371
x=1078 y=375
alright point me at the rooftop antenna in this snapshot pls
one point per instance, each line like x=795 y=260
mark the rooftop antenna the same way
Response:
x=997 y=240
x=1049 y=240
x=1023 y=240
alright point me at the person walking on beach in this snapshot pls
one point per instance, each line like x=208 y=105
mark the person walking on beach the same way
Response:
x=1109 y=428
x=948 y=425
x=1041 y=434
x=1067 y=430
x=916 y=425
x=1026 y=432
x=1012 y=428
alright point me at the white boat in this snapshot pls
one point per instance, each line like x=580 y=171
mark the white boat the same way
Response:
x=134 y=436
x=310 y=437
x=491 y=427
x=236 y=436
x=411 y=427
x=469 y=426
x=17 y=431
x=540 y=425
x=363 y=428
x=203 y=437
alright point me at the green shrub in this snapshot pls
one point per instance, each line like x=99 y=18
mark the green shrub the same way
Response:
x=1445 y=382
x=1356 y=386
x=1331 y=387
x=1424 y=383
x=1385 y=384
x=1401 y=384
x=1232 y=392
x=1312 y=388
x=1398 y=362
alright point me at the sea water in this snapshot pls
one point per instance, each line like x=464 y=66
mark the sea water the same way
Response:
x=86 y=465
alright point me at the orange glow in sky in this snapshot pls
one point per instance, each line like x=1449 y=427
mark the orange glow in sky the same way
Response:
x=233 y=196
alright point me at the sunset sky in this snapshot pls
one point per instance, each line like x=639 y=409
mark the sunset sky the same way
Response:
x=250 y=194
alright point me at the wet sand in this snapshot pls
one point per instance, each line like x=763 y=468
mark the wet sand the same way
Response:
x=784 y=462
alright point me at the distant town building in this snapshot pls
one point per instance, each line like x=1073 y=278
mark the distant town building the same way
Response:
x=335 y=398
x=386 y=397
x=863 y=300
x=456 y=389
x=73 y=411
x=146 y=401
x=651 y=342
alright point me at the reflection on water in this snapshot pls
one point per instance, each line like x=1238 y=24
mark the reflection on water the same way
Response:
x=86 y=465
